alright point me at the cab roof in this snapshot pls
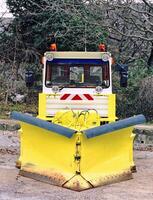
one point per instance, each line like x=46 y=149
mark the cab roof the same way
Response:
x=76 y=55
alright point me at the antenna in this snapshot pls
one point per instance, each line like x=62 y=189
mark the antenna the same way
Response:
x=85 y=35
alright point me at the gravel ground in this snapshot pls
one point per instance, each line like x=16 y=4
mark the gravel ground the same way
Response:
x=14 y=187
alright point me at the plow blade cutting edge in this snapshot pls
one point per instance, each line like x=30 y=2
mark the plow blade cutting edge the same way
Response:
x=73 y=159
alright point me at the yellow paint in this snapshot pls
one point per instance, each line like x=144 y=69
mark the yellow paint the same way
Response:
x=46 y=153
x=82 y=78
x=42 y=106
x=77 y=119
x=107 y=156
x=111 y=107
x=77 y=163
x=100 y=160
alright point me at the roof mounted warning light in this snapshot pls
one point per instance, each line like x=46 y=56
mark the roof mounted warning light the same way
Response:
x=53 y=47
x=102 y=47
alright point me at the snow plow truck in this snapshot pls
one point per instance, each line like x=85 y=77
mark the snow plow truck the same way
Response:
x=76 y=141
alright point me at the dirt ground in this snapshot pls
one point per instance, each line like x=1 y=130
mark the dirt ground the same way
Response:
x=14 y=187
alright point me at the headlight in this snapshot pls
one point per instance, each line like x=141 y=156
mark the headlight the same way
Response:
x=55 y=89
x=49 y=56
x=99 y=89
x=105 y=57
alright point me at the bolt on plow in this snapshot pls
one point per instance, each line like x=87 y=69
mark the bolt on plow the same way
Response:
x=76 y=159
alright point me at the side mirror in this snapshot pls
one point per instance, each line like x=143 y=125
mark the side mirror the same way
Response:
x=123 y=70
x=29 y=78
x=124 y=79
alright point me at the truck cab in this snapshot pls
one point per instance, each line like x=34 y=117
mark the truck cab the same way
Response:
x=77 y=81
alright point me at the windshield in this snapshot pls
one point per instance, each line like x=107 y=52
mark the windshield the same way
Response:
x=77 y=75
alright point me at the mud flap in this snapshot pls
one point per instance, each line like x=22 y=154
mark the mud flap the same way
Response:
x=76 y=160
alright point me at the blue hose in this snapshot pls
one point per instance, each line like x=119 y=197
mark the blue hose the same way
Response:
x=100 y=130
x=43 y=124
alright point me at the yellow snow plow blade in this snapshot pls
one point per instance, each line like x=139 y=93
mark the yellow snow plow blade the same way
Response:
x=75 y=159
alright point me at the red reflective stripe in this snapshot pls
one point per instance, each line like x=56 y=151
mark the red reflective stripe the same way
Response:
x=89 y=97
x=65 y=96
x=76 y=97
